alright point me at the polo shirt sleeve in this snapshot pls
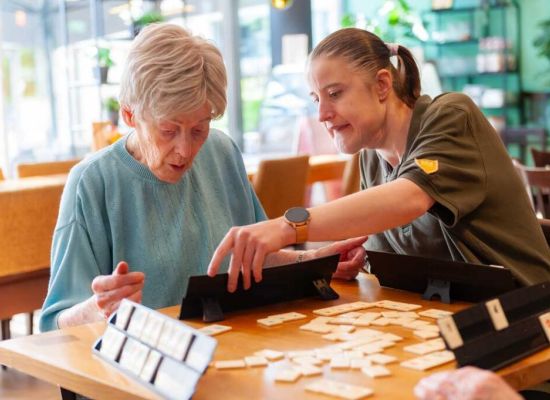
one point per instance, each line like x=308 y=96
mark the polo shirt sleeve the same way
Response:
x=458 y=183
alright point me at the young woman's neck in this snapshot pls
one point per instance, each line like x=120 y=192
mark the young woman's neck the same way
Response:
x=398 y=121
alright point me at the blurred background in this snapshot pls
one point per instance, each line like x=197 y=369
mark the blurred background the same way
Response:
x=61 y=62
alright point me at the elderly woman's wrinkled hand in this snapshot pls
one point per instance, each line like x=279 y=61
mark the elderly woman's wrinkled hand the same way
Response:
x=109 y=290
x=352 y=256
x=466 y=383
x=249 y=246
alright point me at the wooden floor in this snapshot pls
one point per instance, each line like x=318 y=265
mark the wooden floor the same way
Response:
x=15 y=385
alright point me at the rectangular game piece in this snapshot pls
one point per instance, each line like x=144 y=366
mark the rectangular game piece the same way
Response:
x=152 y=329
x=308 y=370
x=229 y=364
x=339 y=390
x=289 y=316
x=134 y=354
x=435 y=313
x=397 y=306
x=271 y=355
x=317 y=328
x=426 y=347
x=213 y=330
x=287 y=375
x=269 y=321
x=429 y=361
x=255 y=361
x=426 y=334
x=123 y=314
x=376 y=371
x=112 y=343
x=381 y=359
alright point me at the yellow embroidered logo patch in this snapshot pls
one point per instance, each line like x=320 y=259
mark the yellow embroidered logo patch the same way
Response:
x=428 y=166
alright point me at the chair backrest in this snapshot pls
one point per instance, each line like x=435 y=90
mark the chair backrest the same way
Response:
x=522 y=136
x=520 y=169
x=45 y=168
x=281 y=183
x=540 y=158
x=1 y=175
x=351 y=180
x=538 y=184
x=545 y=225
x=29 y=215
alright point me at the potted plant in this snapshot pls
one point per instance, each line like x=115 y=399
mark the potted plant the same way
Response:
x=104 y=62
x=146 y=19
x=112 y=106
x=542 y=42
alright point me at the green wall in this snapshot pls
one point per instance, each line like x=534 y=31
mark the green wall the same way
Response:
x=535 y=70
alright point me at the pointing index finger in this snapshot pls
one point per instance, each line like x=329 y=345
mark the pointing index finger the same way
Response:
x=224 y=248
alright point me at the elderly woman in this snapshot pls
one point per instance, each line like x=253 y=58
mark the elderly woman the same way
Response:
x=160 y=199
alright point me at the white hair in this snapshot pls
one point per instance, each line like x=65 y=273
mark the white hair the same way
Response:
x=170 y=71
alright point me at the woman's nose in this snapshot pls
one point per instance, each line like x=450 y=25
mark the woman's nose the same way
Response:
x=326 y=113
x=184 y=146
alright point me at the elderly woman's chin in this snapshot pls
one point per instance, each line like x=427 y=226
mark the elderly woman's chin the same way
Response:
x=171 y=173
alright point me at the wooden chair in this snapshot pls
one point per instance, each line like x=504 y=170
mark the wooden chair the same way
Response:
x=540 y=158
x=45 y=168
x=1 y=175
x=281 y=184
x=537 y=181
x=29 y=215
x=521 y=136
x=351 y=181
x=545 y=225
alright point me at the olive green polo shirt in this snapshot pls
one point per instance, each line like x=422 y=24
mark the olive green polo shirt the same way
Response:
x=482 y=213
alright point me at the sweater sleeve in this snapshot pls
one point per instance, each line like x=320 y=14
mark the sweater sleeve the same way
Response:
x=75 y=259
x=73 y=267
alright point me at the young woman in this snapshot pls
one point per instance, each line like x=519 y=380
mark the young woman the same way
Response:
x=437 y=179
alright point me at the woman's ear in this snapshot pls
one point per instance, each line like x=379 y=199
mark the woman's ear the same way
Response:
x=383 y=84
x=128 y=116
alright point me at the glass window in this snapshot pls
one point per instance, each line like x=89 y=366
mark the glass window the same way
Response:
x=26 y=116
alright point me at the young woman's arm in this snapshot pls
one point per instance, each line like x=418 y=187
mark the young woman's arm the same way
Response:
x=369 y=211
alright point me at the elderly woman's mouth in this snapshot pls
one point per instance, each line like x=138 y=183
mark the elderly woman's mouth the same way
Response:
x=178 y=168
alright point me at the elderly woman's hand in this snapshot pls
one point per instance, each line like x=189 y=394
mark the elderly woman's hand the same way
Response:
x=250 y=245
x=109 y=290
x=352 y=256
x=466 y=383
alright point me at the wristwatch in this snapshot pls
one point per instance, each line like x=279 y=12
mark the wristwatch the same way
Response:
x=298 y=218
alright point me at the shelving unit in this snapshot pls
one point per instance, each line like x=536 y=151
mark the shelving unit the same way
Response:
x=87 y=26
x=476 y=50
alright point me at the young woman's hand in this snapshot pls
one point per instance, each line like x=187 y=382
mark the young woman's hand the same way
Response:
x=352 y=256
x=249 y=246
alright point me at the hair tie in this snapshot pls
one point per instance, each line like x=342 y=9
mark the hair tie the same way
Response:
x=393 y=48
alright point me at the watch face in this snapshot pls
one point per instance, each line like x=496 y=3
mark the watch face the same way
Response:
x=297 y=214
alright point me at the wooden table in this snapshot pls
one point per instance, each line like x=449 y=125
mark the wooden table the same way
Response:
x=64 y=357
x=30 y=207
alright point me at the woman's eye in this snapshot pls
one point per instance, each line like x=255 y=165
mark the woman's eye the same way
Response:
x=198 y=133
x=169 y=133
x=315 y=100
x=334 y=95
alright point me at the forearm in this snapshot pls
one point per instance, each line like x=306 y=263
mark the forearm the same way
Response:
x=81 y=313
x=282 y=257
x=369 y=211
